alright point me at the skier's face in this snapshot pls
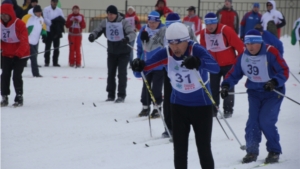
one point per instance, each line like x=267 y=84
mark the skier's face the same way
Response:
x=153 y=25
x=38 y=14
x=5 y=18
x=253 y=48
x=211 y=27
x=111 y=17
x=179 y=48
x=269 y=6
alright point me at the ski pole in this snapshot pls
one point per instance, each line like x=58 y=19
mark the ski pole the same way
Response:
x=101 y=44
x=295 y=77
x=243 y=147
x=233 y=93
x=47 y=50
x=281 y=94
x=82 y=56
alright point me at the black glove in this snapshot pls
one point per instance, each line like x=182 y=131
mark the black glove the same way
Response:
x=125 y=40
x=224 y=91
x=270 y=85
x=145 y=36
x=44 y=38
x=191 y=62
x=137 y=65
x=91 y=38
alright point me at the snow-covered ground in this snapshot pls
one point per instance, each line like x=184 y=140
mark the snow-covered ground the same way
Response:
x=60 y=128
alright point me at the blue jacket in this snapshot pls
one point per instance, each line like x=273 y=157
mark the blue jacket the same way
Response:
x=249 y=21
x=271 y=39
x=140 y=50
x=208 y=64
x=277 y=69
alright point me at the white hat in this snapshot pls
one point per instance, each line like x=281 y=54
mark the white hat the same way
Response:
x=131 y=7
x=177 y=32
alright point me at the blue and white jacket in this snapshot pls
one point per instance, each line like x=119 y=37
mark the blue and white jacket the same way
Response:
x=277 y=69
x=249 y=21
x=208 y=64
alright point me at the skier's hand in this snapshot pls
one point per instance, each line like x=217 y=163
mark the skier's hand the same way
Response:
x=137 y=65
x=91 y=38
x=224 y=91
x=125 y=40
x=145 y=36
x=191 y=62
x=270 y=85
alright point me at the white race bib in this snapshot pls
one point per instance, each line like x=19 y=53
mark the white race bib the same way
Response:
x=131 y=21
x=114 y=31
x=215 y=42
x=8 y=34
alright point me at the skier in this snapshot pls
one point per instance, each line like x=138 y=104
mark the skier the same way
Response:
x=266 y=71
x=222 y=43
x=75 y=22
x=15 y=52
x=119 y=33
x=189 y=102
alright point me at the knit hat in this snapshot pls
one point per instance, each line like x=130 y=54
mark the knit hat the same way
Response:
x=131 y=7
x=75 y=6
x=229 y=1
x=37 y=8
x=54 y=0
x=256 y=5
x=172 y=18
x=34 y=1
x=211 y=18
x=154 y=16
x=253 y=36
x=191 y=8
x=176 y=33
x=112 y=9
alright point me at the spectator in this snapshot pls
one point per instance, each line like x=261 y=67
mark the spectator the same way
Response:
x=161 y=7
x=33 y=4
x=55 y=22
x=26 y=6
x=134 y=21
x=249 y=20
x=15 y=52
x=18 y=10
x=193 y=20
x=119 y=33
x=228 y=16
x=222 y=43
x=75 y=22
x=296 y=32
x=36 y=27
x=273 y=15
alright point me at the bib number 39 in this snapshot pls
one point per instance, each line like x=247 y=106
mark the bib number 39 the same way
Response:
x=253 y=70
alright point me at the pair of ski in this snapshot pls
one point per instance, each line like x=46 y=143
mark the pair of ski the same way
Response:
x=156 y=141
x=267 y=164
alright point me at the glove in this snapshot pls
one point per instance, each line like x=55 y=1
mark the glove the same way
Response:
x=191 y=62
x=91 y=38
x=145 y=36
x=224 y=91
x=44 y=38
x=125 y=40
x=137 y=65
x=270 y=85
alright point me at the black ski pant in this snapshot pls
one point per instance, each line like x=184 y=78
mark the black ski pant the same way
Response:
x=33 y=59
x=117 y=63
x=155 y=79
x=16 y=66
x=56 y=43
x=215 y=80
x=201 y=119
x=167 y=98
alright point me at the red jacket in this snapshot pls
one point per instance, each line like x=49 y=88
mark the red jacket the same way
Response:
x=165 y=10
x=20 y=49
x=229 y=17
x=197 y=23
x=75 y=23
x=136 y=20
x=231 y=40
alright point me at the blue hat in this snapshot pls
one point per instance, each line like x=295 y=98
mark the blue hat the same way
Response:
x=154 y=16
x=172 y=18
x=253 y=36
x=256 y=5
x=211 y=18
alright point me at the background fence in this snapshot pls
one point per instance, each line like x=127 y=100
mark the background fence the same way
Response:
x=289 y=8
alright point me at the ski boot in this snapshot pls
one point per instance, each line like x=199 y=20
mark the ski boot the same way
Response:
x=18 y=101
x=120 y=100
x=249 y=158
x=4 y=101
x=272 y=158
x=145 y=111
x=155 y=113
x=227 y=114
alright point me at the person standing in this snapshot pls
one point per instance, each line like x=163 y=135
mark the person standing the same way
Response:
x=266 y=71
x=33 y=4
x=186 y=61
x=75 y=23
x=193 y=20
x=249 y=20
x=26 y=6
x=222 y=43
x=273 y=15
x=18 y=10
x=36 y=27
x=15 y=51
x=119 y=33
x=162 y=8
x=134 y=21
x=296 y=32
x=55 y=22
x=228 y=16
x=156 y=77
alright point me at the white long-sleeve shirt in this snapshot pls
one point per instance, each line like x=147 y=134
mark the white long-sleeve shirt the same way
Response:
x=50 y=14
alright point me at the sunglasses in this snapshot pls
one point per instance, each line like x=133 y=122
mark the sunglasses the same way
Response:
x=269 y=5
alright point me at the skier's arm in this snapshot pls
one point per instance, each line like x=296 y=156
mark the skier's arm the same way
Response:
x=234 y=75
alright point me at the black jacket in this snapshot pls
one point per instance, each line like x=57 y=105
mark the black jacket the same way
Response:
x=57 y=27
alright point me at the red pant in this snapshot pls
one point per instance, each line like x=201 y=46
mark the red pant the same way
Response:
x=75 y=54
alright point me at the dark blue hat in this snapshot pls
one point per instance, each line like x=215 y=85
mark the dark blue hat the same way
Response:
x=112 y=9
x=211 y=18
x=256 y=5
x=253 y=36
x=172 y=18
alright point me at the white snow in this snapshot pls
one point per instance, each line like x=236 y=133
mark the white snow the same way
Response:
x=59 y=128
